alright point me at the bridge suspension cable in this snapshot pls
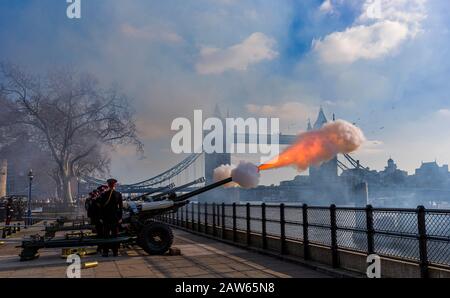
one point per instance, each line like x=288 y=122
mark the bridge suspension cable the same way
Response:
x=167 y=175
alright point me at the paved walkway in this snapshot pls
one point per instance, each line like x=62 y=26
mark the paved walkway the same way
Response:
x=200 y=258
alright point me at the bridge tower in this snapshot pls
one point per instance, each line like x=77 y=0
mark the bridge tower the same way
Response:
x=328 y=171
x=214 y=160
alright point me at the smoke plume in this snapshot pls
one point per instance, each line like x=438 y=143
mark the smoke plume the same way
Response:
x=223 y=172
x=245 y=174
x=312 y=148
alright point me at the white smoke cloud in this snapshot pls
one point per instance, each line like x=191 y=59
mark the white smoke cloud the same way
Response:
x=245 y=175
x=223 y=172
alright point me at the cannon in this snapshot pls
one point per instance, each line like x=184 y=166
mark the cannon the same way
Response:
x=166 y=194
x=159 y=189
x=153 y=236
x=139 y=226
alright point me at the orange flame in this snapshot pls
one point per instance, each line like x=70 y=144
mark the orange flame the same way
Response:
x=315 y=147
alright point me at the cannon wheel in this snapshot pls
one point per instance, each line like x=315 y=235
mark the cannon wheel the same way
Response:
x=156 y=238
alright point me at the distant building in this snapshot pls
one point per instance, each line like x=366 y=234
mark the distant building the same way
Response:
x=392 y=175
x=430 y=174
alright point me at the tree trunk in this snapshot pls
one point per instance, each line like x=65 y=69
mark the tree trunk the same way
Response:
x=66 y=187
x=59 y=187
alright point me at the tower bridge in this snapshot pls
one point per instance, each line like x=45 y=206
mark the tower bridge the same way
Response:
x=199 y=165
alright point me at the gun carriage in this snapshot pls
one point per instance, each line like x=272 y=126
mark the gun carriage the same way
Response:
x=139 y=225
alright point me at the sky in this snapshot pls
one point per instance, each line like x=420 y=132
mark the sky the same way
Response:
x=382 y=64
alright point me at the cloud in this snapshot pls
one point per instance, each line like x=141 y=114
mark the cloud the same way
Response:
x=150 y=33
x=372 y=147
x=326 y=7
x=289 y=111
x=361 y=42
x=254 y=49
x=381 y=28
x=444 y=112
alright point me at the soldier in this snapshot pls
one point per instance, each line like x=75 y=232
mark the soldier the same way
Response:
x=88 y=204
x=93 y=212
x=110 y=203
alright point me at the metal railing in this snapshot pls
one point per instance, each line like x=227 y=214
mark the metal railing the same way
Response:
x=420 y=235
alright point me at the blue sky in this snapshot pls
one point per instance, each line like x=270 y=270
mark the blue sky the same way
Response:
x=387 y=72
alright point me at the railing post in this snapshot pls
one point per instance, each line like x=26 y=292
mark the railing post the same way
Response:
x=263 y=226
x=282 y=230
x=182 y=216
x=305 y=232
x=234 y=223
x=370 y=230
x=214 y=218
x=223 y=221
x=198 y=216
x=248 y=223
x=187 y=216
x=422 y=229
x=206 y=217
x=334 y=245
x=193 y=216
x=173 y=217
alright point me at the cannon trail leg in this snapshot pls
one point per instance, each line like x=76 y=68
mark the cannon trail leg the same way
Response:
x=29 y=253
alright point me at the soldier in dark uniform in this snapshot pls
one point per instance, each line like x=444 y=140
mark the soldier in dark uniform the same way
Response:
x=111 y=204
x=93 y=212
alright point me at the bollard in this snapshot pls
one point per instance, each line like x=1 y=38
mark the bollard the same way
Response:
x=4 y=233
x=18 y=227
x=14 y=229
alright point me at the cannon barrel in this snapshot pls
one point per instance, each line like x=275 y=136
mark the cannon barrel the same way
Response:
x=202 y=190
x=152 y=208
x=160 y=197
x=164 y=188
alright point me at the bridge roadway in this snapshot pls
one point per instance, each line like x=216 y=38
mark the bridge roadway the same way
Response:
x=200 y=258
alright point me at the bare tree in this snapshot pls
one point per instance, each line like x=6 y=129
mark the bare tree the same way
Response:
x=71 y=116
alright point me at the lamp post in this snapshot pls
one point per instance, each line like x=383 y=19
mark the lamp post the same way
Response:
x=30 y=177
